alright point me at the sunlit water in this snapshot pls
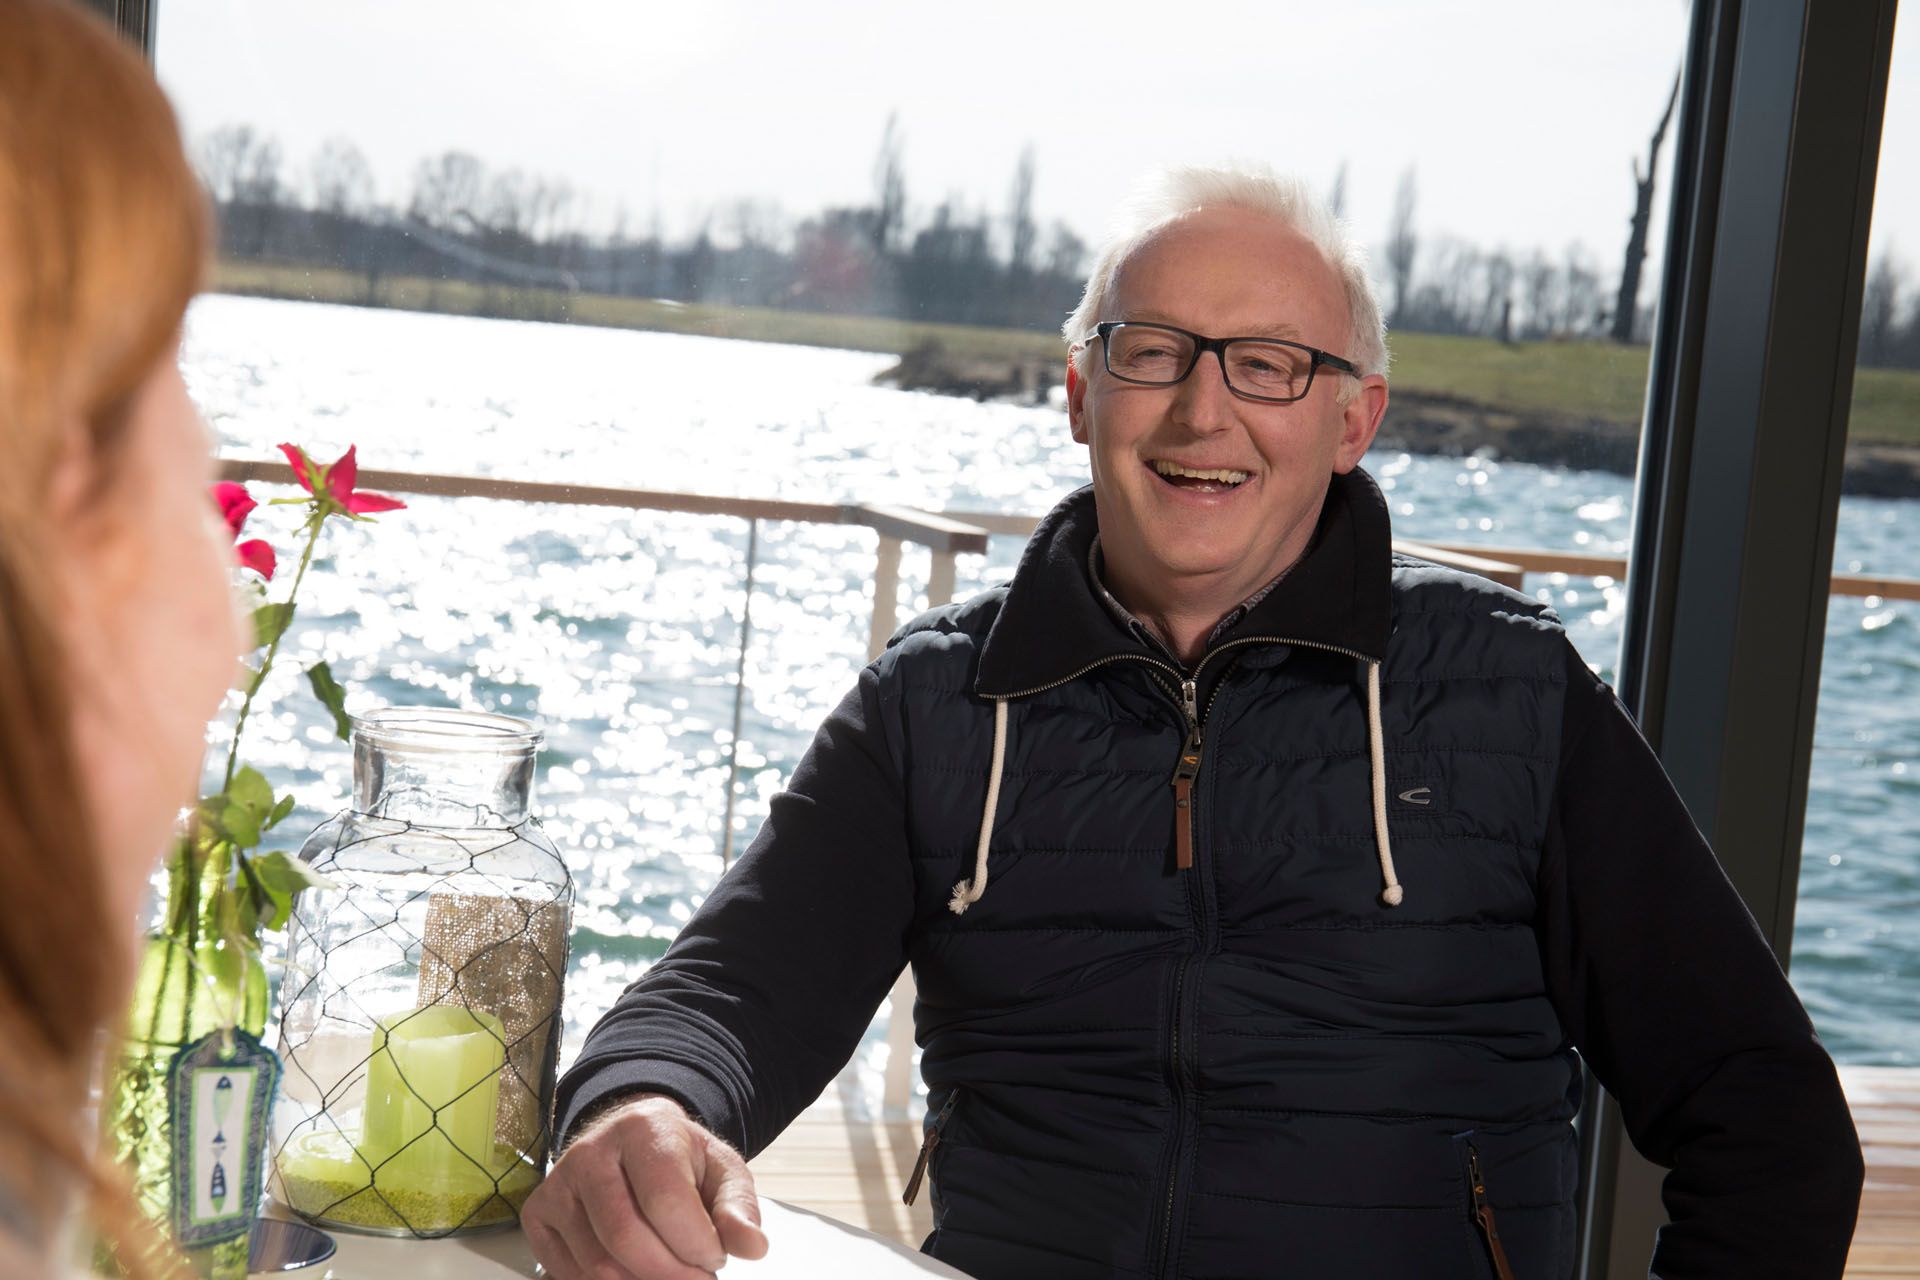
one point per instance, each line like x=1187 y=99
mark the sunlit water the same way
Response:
x=620 y=632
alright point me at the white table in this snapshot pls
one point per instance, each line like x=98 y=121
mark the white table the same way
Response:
x=801 y=1245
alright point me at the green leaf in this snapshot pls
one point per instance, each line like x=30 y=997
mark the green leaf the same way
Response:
x=241 y=826
x=280 y=811
x=246 y=679
x=277 y=878
x=206 y=815
x=270 y=622
x=333 y=698
x=251 y=791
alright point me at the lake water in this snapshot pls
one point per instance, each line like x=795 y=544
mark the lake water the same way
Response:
x=620 y=632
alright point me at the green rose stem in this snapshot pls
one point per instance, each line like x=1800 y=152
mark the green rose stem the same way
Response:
x=314 y=524
x=185 y=869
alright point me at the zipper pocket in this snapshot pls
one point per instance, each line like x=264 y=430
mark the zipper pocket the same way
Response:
x=927 y=1145
x=1483 y=1216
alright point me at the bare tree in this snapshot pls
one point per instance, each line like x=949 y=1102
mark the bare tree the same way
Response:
x=1539 y=286
x=1580 y=294
x=506 y=207
x=1627 y=305
x=552 y=205
x=242 y=170
x=1021 y=231
x=447 y=190
x=756 y=225
x=1402 y=243
x=233 y=160
x=342 y=180
x=889 y=189
x=1879 y=305
x=1499 y=273
x=1066 y=253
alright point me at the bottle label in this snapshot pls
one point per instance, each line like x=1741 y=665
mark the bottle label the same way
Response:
x=219 y=1096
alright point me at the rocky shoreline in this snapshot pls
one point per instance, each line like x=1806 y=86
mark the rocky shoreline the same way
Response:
x=1420 y=423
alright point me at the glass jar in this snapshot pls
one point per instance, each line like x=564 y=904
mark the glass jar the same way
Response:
x=193 y=982
x=420 y=1009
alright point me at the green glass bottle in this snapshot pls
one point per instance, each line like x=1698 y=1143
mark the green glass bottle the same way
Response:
x=192 y=982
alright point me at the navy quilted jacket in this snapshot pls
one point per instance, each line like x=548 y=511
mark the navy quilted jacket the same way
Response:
x=1176 y=1029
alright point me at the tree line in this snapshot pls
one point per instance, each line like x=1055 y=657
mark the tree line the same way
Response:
x=461 y=219
x=957 y=261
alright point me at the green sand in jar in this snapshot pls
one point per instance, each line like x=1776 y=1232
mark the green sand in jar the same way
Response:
x=322 y=1176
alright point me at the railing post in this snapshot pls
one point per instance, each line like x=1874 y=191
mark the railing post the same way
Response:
x=739 y=696
x=940 y=579
x=886 y=593
x=896 y=1090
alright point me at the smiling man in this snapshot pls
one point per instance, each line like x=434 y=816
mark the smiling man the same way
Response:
x=1209 y=487
x=1263 y=888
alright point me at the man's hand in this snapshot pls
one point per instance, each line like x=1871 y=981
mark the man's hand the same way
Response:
x=644 y=1193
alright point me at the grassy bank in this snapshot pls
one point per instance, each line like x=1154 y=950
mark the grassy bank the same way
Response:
x=1565 y=381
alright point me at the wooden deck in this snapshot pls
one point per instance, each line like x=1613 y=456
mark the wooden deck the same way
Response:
x=836 y=1162
x=1886 y=1109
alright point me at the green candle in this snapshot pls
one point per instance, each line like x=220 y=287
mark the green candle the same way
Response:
x=433 y=1087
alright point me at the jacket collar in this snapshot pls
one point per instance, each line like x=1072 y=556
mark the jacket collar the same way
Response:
x=1053 y=627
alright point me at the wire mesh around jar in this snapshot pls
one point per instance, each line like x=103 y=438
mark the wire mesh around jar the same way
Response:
x=425 y=993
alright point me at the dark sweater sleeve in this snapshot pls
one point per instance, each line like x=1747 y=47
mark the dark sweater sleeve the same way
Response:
x=1669 y=990
x=764 y=994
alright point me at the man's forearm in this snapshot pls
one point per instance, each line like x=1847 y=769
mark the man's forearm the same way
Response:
x=765 y=993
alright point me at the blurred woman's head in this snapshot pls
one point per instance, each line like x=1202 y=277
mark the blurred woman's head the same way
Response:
x=117 y=635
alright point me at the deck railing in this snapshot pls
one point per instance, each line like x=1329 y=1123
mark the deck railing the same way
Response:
x=948 y=535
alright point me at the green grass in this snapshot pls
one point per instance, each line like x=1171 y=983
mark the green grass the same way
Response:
x=1566 y=380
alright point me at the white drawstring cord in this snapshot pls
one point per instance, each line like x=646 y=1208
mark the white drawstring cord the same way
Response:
x=968 y=892
x=1392 y=894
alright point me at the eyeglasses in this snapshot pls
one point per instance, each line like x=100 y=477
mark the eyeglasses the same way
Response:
x=1270 y=370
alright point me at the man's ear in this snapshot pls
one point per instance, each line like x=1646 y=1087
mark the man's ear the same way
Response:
x=1359 y=422
x=1076 y=399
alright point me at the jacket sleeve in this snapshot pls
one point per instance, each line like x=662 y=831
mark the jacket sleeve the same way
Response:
x=764 y=994
x=1669 y=990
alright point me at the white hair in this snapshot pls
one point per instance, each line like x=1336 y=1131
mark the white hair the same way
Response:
x=1172 y=194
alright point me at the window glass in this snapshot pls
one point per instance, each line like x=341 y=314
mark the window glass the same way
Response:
x=1856 y=955
x=820 y=253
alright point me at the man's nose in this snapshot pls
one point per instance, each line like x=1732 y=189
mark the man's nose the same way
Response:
x=1204 y=402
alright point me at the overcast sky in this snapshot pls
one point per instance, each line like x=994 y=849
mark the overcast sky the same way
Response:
x=1521 y=117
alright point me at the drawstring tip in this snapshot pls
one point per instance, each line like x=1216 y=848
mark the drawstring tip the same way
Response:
x=1392 y=895
x=960 y=901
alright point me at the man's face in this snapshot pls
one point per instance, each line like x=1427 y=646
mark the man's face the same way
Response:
x=1221 y=273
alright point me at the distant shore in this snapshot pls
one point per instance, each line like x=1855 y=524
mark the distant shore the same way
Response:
x=1428 y=422
x=1574 y=404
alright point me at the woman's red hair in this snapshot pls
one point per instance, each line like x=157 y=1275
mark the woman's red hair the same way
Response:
x=103 y=242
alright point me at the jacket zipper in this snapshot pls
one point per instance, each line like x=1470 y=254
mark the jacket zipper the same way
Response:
x=1173 y=1170
x=1188 y=767
x=1183 y=776
x=927 y=1145
x=1483 y=1216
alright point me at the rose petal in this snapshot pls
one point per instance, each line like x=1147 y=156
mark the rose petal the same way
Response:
x=340 y=477
x=235 y=502
x=257 y=555
x=302 y=469
x=362 y=503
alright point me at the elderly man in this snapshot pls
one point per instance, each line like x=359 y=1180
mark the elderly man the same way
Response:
x=1260 y=884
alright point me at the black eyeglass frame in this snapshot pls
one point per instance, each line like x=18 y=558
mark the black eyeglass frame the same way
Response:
x=1202 y=345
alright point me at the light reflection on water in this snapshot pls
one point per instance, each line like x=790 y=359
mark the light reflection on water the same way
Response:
x=620 y=631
